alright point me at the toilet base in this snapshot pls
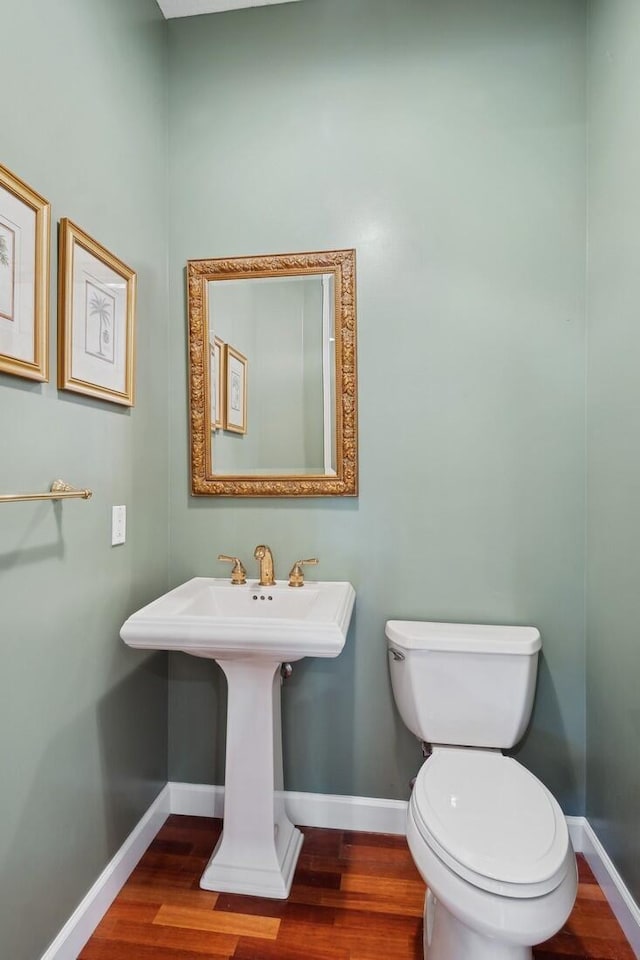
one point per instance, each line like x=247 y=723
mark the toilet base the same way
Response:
x=446 y=937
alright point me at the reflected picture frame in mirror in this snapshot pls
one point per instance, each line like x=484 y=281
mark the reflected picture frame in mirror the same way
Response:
x=335 y=270
x=235 y=390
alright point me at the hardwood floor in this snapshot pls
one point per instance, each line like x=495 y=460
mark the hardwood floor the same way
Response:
x=356 y=896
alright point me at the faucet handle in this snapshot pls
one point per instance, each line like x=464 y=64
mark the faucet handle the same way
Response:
x=238 y=572
x=296 y=576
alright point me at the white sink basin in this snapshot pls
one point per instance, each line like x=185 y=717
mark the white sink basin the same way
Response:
x=250 y=630
x=209 y=617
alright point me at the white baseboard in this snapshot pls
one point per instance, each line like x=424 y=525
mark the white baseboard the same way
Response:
x=305 y=809
x=88 y=914
x=196 y=799
x=613 y=886
x=312 y=810
x=576 y=832
x=347 y=813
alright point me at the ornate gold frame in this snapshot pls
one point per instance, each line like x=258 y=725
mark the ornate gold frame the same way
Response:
x=38 y=369
x=71 y=235
x=204 y=482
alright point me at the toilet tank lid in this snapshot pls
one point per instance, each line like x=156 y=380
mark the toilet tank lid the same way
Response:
x=463 y=637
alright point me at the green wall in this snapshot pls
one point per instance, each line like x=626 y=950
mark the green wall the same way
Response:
x=82 y=718
x=613 y=653
x=445 y=141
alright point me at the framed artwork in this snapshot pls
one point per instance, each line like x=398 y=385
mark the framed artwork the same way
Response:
x=24 y=279
x=96 y=319
x=216 y=371
x=235 y=390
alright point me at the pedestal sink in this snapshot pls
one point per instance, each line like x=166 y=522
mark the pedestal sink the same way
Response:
x=250 y=630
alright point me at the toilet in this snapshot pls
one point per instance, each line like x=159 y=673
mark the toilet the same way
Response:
x=488 y=838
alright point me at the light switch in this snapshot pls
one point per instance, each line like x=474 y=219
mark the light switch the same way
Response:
x=118 y=525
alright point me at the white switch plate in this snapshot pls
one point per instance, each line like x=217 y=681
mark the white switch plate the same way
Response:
x=118 y=525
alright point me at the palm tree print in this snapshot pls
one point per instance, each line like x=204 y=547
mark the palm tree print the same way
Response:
x=99 y=307
x=4 y=252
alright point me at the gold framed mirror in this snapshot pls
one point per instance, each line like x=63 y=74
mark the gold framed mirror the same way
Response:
x=273 y=375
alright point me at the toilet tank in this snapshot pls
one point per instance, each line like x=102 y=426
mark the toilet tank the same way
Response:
x=463 y=684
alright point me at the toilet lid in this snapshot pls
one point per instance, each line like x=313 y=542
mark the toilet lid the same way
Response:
x=491 y=821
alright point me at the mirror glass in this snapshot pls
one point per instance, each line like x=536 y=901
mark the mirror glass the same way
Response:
x=283 y=327
x=273 y=375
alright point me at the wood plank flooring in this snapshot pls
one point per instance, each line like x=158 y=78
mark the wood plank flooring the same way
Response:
x=355 y=896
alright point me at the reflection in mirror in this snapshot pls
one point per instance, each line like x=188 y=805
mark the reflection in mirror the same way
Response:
x=273 y=375
x=286 y=324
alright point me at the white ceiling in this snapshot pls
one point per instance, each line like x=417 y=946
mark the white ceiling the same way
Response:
x=190 y=8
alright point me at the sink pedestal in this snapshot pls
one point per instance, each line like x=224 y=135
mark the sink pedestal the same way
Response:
x=249 y=632
x=258 y=850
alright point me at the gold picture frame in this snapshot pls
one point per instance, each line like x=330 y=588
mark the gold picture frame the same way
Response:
x=341 y=479
x=96 y=319
x=216 y=382
x=25 y=219
x=236 y=368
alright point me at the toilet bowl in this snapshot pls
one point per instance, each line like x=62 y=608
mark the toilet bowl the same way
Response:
x=488 y=838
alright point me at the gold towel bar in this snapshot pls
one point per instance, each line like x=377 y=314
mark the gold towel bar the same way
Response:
x=59 y=491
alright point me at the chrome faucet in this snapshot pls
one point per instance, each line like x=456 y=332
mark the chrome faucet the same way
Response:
x=263 y=555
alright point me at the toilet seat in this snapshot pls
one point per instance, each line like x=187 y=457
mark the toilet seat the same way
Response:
x=491 y=821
